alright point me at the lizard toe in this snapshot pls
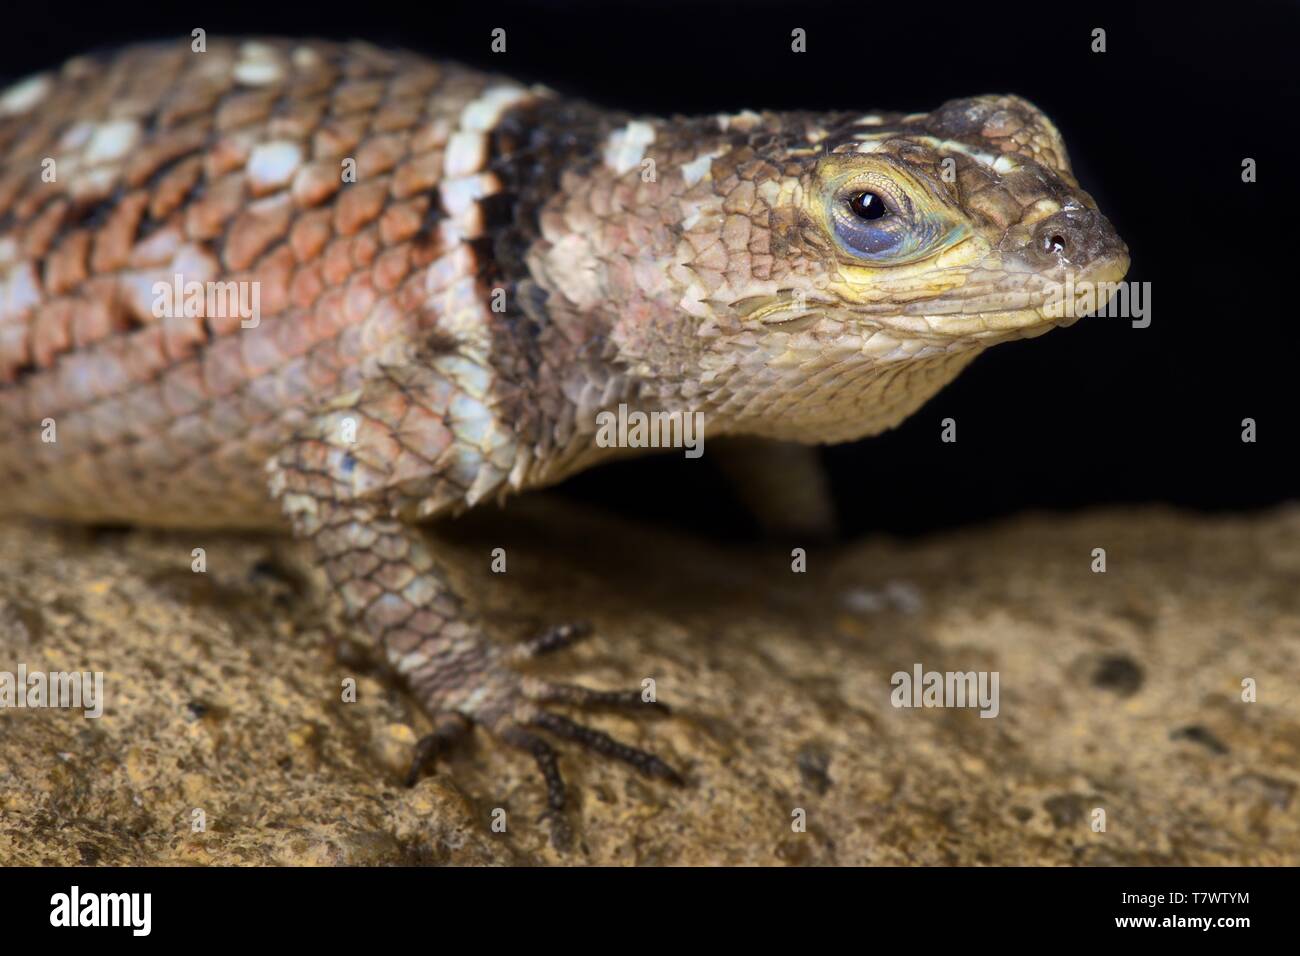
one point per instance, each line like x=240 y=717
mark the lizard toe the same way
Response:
x=550 y=640
x=448 y=729
x=632 y=699
x=602 y=743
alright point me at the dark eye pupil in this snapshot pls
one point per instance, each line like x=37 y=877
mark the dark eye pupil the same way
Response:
x=867 y=206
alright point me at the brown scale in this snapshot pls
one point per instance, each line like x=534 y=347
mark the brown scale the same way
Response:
x=318 y=250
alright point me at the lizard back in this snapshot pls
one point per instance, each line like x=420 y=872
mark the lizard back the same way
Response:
x=151 y=200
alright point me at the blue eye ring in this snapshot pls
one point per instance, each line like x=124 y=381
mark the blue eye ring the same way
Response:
x=872 y=222
x=879 y=211
x=876 y=222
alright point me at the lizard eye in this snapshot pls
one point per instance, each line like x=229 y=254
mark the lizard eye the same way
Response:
x=877 y=221
x=868 y=206
x=872 y=223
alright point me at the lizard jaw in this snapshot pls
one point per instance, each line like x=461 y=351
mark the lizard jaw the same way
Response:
x=1057 y=302
x=1084 y=293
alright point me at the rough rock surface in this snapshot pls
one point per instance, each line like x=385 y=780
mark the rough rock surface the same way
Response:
x=1120 y=691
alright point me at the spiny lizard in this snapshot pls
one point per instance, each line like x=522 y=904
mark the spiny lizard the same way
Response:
x=419 y=285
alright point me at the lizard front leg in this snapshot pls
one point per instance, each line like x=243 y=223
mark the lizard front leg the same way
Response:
x=412 y=442
x=782 y=484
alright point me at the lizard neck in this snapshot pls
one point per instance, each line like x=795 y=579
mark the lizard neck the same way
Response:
x=632 y=253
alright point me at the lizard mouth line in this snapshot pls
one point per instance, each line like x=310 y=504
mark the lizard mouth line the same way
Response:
x=944 y=328
x=1024 y=312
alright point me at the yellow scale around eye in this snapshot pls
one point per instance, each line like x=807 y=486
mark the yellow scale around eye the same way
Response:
x=840 y=174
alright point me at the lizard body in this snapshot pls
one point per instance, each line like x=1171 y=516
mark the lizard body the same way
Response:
x=444 y=327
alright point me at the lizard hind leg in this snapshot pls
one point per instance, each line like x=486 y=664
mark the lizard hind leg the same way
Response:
x=343 y=481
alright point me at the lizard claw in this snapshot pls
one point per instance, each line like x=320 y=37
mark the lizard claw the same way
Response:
x=605 y=745
x=511 y=705
x=547 y=692
x=548 y=763
x=448 y=728
x=519 y=736
x=550 y=640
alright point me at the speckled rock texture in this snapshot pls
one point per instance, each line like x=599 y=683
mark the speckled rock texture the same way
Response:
x=1119 y=690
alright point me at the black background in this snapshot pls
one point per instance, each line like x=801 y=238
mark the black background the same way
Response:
x=1157 y=128
x=348 y=909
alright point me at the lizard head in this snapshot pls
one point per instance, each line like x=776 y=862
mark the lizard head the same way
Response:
x=959 y=226
x=839 y=269
x=817 y=277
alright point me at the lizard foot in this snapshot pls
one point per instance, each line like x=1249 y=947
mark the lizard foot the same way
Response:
x=513 y=707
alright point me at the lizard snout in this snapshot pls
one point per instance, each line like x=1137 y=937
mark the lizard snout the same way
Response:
x=1078 y=239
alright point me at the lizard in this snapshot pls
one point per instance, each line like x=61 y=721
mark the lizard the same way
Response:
x=452 y=275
